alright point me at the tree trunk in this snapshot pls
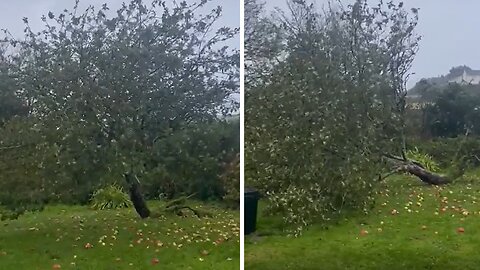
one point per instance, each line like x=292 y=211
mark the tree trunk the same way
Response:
x=415 y=168
x=136 y=196
x=424 y=175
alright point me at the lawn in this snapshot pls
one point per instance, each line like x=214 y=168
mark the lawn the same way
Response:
x=75 y=237
x=413 y=226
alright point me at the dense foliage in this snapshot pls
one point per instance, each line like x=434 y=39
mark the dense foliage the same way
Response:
x=454 y=111
x=98 y=94
x=317 y=126
x=110 y=197
x=423 y=158
x=231 y=182
x=439 y=107
x=448 y=152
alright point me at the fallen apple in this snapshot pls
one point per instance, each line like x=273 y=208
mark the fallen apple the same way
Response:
x=155 y=261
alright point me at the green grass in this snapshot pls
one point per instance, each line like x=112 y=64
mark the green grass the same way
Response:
x=420 y=236
x=120 y=240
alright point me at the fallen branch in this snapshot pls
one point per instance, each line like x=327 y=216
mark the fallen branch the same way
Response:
x=180 y=200
x=393 y=157
x=177 y=209
x=415 y=168
x=395 y=171
x=175 y=206
x=402 y=159
x=424 y=175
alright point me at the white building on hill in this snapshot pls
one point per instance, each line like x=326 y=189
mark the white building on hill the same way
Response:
x=467 y=77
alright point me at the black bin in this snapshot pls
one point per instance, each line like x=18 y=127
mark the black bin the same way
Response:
x=251 y=197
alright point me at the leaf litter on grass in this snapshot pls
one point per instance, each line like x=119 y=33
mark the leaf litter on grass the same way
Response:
x=97 y=240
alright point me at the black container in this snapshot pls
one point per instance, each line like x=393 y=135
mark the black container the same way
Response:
x=251 y=197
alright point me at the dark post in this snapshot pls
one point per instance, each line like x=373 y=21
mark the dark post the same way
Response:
x=251 y=204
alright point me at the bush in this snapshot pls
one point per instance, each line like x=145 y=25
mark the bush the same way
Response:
x=191 y=160
x=450 y=152
x=110 y=197
x=7 y=214
x=185 y=161
x=13 y=212
x=453 y=111
x=424 y=159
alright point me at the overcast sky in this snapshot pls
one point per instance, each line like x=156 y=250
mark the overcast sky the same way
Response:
x=450 y=30
x=12 y=12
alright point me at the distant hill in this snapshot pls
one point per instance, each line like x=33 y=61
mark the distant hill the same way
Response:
x=461 y=74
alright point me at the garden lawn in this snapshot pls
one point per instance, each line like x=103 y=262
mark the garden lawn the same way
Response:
x=412 y=226
x=74 y=237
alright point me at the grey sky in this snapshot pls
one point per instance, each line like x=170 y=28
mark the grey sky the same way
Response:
x=451 y=35
x=12 y=12
x=450 y=28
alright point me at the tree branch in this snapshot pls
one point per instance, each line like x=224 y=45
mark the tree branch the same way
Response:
x=12 y=147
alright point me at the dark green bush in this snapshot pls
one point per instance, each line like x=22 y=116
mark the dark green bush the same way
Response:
x=14 y=211
x=448 y=151
x=453 y=111
x=185 y=161
x=191 y=160
x=6 y=213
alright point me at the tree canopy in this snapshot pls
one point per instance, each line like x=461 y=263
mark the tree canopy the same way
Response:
x=318 y=125
x=100 y=93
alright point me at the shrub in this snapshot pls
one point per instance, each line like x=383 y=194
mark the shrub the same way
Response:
x=6 y=213
x=184 y=161
x=110 y=197
x=13 y=212
x=424 y=159
x=449 y=152
x=190 y=160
